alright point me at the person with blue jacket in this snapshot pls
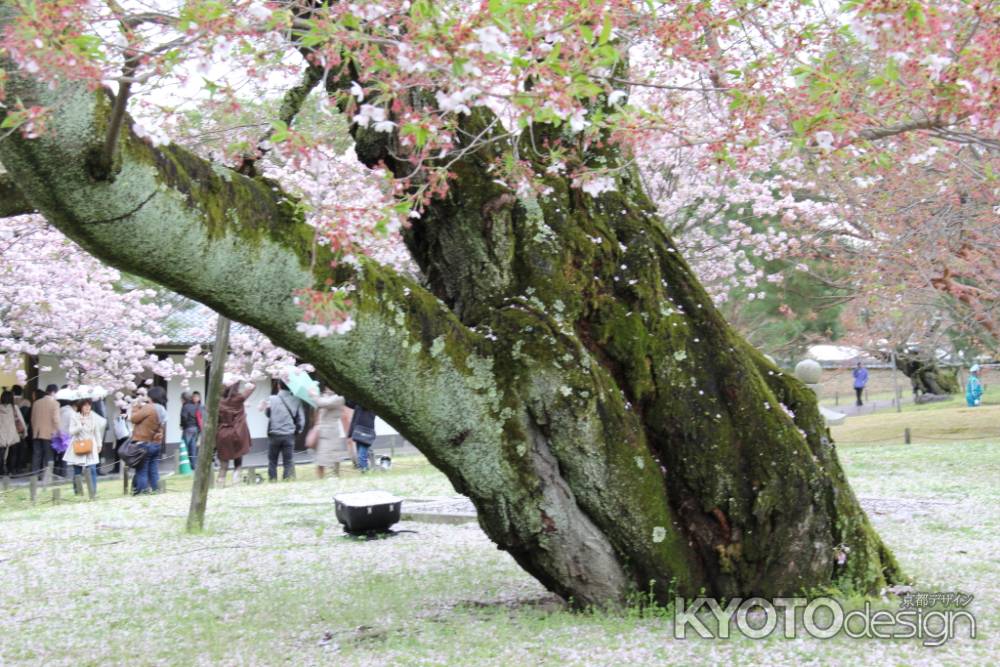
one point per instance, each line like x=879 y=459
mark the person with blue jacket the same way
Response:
x=860 y=374
x=974 y=388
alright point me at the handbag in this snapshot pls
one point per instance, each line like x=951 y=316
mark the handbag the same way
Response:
x=83 y=446
x=364 y=435
x=312 y=438
x=131 y=453
x=60 y=442
x=121 y=427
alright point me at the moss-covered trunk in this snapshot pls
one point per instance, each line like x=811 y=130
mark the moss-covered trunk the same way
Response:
x=926 y=376
x=565 y=369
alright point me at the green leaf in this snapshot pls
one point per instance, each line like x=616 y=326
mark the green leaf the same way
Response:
x=280 y=131
x=605 y=30
x=608 y=55
x=12 y=119
x=420 y=133
x=915 y=12
x=891 y=70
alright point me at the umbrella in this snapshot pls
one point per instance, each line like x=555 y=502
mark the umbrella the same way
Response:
x=66 y=394
x=302 y=386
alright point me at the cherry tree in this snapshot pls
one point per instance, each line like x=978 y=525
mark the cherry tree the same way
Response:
x=60 y=301
x=552 y=352
x=55 y=299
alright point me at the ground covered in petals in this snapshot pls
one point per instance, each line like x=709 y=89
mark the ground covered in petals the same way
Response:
x=275 y=582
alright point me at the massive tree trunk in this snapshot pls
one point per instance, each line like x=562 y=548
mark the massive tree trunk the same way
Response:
x=563 y=367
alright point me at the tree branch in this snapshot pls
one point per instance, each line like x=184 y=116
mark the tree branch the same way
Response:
x=291 y=104
x=885 y=131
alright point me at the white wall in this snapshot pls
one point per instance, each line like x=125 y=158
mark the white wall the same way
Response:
x=174 y=390
x=257 y=420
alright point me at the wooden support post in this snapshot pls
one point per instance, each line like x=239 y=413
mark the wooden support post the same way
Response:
x=906 y=435
x=5 y=482
x=895 y=382
x=33 y=487
x=162 y=488
x=47 y=475
x=125 y=480
x=56 y=495
x=203 y=474
x=836 y=398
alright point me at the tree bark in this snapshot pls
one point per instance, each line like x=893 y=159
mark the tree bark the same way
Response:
x=564 y=368
x=12 y=202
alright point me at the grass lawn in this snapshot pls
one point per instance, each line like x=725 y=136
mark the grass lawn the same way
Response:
x=274 y=582
x=943 y=422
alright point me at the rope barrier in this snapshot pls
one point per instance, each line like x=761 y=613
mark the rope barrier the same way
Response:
x=59 y=480
x=916 y=437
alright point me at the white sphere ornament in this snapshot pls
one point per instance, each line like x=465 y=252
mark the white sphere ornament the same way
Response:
x=809 y=371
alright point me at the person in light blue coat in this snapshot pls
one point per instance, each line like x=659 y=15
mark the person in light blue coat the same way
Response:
x=974 y=388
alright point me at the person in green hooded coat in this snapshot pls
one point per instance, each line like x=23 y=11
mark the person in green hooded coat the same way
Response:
x=974 y=388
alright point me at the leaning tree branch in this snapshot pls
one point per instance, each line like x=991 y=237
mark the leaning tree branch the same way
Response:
x=240 y=246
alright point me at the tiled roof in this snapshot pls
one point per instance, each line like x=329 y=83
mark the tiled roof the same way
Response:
x=191 y=325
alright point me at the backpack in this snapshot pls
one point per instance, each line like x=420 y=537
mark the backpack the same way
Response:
x=131 y=454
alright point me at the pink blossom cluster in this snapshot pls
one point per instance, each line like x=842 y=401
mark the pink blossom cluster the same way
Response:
x=734 y=112
x=56 y=299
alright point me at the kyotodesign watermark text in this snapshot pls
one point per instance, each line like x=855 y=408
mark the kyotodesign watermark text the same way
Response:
x=933 y=618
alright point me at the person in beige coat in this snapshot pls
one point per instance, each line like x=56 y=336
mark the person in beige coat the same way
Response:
x=12 y=429
x=331 y=425
x=44 y=425
x=85 y=424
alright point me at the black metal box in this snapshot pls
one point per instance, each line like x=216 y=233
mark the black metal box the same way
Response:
x=367 y=512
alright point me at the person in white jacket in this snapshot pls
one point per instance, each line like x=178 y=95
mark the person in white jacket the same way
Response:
x=85 y=424
x=12 y=429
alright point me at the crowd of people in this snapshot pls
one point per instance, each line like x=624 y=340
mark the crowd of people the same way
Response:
x=69 y=428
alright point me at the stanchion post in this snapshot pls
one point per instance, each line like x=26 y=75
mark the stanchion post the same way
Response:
x=906 y=435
